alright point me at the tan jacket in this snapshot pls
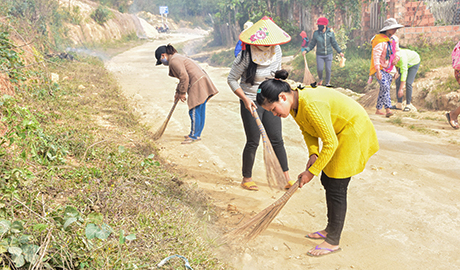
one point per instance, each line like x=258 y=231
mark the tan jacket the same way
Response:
x=193 y=80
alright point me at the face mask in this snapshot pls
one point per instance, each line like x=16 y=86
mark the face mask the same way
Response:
x=263 y=48
x=320 y=27
x=164 y=61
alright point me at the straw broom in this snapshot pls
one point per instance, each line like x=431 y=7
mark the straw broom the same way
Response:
x=275 y=175
x=162 y=129
x=257 y=224
x=369 y=99
x=307 y=77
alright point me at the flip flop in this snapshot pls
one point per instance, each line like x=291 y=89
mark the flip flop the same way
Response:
x=319 y=248
x=406 y=109
x=394 y=107
x=188 y=136
x=250 y=186
x=318 y=233
x=289 y=184
x=189 y=141
x=450 y=121
x=388 y=115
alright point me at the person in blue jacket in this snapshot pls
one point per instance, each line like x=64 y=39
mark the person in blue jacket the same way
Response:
x=324 y=40
x=238 y=46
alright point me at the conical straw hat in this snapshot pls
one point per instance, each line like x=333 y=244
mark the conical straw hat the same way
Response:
x=265 y=32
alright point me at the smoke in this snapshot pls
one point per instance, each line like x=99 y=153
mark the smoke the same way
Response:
x=86 y=51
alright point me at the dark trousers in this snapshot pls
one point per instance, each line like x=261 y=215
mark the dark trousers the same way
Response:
x=321 y=61
x=411 y=72
x=272 y=126
x=336 y=200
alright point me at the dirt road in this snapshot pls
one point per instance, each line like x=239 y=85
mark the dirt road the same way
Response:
x=403 y=210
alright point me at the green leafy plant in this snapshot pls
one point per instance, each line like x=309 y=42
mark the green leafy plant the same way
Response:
x=10 y=60
x=17 y=244
x=72 y=14
x=101 y=15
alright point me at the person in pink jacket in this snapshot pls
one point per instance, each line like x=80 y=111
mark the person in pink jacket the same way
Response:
x=385 y=49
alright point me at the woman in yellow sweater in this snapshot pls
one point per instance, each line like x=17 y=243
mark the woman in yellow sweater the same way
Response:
x=348 y=138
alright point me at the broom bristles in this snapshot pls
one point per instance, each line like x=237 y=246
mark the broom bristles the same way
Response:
x=307 y=76
x=162 y=129
x=369 y=99
x=275 y=175
x=257 y=224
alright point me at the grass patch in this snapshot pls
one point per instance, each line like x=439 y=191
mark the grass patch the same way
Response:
x=447 y=86
x=223 y=58
x=396 y=120
x=81 y=182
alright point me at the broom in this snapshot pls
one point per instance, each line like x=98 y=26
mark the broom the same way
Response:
x=275 y=175
x=307 y=77
x=257 y=224
x=161 y=130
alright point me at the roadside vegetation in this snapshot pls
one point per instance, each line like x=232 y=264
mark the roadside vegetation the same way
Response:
x=81 y=182
x=355 y=74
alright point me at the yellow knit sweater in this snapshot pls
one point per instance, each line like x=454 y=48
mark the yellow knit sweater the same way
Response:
x=347 y=133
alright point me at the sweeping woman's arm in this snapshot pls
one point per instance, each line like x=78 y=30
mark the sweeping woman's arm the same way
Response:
x=238 y=68
x=177 y=70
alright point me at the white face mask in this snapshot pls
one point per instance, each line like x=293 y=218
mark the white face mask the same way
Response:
x=263 y=55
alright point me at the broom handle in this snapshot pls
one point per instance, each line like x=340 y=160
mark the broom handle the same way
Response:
x=305 y=61
x=172 y=109
x=261 y=127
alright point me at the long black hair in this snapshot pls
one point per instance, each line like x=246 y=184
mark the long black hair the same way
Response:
x=269 y=90
x=252 y=68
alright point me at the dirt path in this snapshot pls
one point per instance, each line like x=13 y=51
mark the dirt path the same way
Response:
x=403 y=210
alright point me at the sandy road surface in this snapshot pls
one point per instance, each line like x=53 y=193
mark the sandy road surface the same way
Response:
x=403 y=210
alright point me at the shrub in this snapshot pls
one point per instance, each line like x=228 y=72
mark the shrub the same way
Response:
x=101 y=15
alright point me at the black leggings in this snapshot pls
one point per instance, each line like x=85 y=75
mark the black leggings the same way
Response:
x=272 y=125
x=336 y=200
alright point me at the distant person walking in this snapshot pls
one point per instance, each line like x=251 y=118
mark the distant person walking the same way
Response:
x=385 y=48
x=238 y=46
x=452 y=116
x=260 y=56
x=305 y=41
x=324 y=40
x=194 y=82
x=408 y=65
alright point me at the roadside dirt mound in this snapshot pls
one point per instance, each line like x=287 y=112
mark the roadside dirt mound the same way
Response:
x=424 y=95
x=89 y=31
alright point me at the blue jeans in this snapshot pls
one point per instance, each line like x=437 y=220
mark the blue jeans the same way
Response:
x=197 y=116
